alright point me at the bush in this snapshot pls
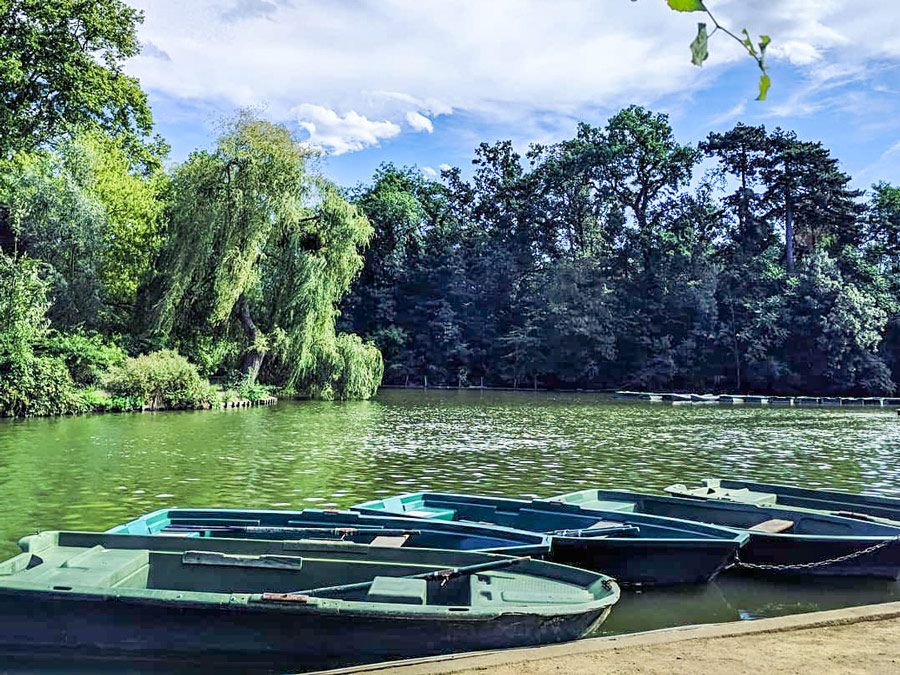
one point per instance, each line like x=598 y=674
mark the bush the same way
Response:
x=97 y=400
x=238 y=387
x=160 y=380
x=37 y=385
x=87 y=357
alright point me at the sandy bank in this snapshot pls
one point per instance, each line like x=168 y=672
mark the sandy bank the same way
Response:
x=839 y=642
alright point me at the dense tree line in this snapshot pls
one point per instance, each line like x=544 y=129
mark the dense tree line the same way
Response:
x=623 y=258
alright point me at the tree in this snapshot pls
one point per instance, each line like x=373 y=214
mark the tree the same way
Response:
x=883 y=226
x=84 y=209
x=258 y=243
x=810 y=195
x=61 y=67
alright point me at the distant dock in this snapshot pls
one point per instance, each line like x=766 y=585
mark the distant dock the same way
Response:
x=735 y=399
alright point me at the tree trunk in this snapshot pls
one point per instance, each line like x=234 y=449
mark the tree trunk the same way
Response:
x=789 y=236
x=253 y=358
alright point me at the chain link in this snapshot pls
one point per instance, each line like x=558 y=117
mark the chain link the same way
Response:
x=821 y=563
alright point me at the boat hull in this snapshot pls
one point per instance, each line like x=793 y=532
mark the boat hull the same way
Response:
x=633 y=562
x=815 y=537
x=75 y=628
x=808 y=553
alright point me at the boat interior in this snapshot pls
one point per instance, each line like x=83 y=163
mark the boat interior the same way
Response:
x=764 y=519
x=542 y=516
x=78 y=564
x=331 y=525
x=838 y=503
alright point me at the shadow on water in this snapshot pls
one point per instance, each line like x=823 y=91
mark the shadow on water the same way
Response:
x=93 y=472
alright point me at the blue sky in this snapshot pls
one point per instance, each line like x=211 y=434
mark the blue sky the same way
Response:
x=422 y=82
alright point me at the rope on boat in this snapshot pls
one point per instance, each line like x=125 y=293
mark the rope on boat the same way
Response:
x=821 y=563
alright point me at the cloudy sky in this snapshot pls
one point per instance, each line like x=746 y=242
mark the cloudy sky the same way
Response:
x=422 y=82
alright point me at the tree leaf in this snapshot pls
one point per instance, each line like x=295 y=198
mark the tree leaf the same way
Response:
x=699 y=50
x=764 y=41
x=687 y=5
x=764 y=83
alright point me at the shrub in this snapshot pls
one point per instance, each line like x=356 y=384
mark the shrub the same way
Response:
x=160 y=380
x=97 y=400
x=237 y=386
x=37 y=385
x=87 y=357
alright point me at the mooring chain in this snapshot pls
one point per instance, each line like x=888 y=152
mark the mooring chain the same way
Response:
x=821 y=563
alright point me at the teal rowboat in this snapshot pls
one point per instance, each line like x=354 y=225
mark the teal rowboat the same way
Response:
x=767 y=494
x=375 y=530
x=631 y=547
x=303 y=605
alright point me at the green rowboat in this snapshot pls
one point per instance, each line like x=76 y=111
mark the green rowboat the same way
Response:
x=301 y=604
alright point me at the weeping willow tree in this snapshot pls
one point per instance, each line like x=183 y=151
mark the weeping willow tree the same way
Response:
x=260 y=250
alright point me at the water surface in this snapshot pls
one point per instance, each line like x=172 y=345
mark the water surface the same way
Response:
x=92 y=472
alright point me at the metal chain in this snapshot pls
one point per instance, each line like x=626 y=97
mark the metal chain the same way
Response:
x=821 y=563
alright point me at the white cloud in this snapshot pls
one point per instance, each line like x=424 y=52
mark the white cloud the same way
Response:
x=339 y=134
x=429 y=172
x=419 y=122
x=528 y=65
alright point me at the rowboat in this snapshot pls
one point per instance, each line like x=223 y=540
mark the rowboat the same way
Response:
x=375 y=530
x=782 y=540
x=768 y=494
x=633 y=548
x=307 y=604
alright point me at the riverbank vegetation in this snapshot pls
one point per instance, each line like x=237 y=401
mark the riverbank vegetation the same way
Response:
x=623 y=258
x=127 y=286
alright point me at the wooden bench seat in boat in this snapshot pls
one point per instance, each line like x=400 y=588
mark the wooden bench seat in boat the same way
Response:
x=430 y=512
x=395 y=542
x=773 y=526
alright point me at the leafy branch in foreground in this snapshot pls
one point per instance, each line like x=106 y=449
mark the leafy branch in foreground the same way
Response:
x=699 y=47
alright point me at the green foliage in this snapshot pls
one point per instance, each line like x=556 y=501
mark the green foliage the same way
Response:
x=36 y=385
x=342 y=368
x=23 y=304
x=83 y=210
x=699 y=47
x=605 y=264
x=97 y=400
x=687 y=5
x=160 y=380
x=61 y=66
x=86 y=356
x=261 y=248
x=29 y=384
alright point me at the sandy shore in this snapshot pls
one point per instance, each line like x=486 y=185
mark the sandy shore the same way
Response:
x=837 y=642
x=865 y=647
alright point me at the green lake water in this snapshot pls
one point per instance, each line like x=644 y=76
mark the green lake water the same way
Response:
x=93 y=472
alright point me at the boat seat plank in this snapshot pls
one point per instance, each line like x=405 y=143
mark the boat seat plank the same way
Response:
x=773 y=526
x=395 y=542
x=603 y=524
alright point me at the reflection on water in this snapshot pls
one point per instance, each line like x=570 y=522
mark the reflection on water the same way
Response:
x=93 y=472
